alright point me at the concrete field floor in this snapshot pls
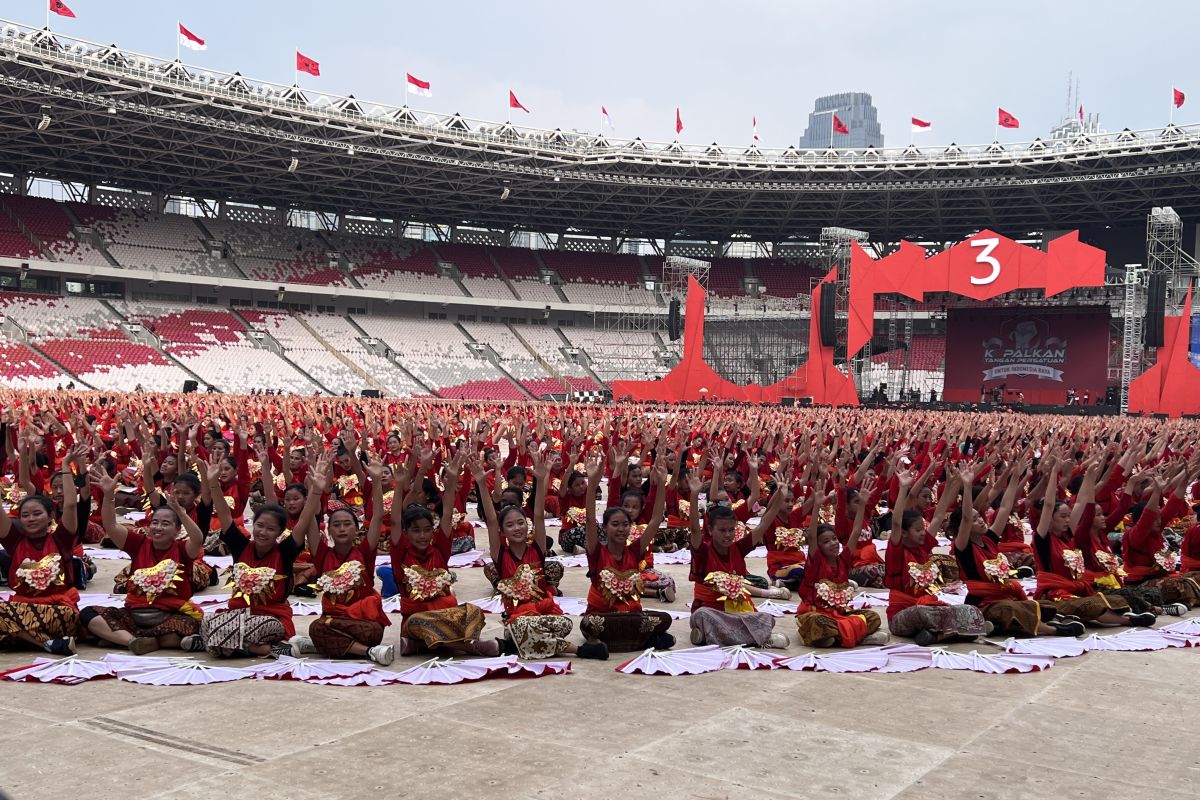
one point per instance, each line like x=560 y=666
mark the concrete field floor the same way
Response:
x=1103 y=725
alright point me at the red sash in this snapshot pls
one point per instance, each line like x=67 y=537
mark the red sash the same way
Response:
x=537 y=608
x=597 y=603
x=867 y=554
x=898 y=601
x=409 y=606
x=990 y=592
x=369 y=607
x=1189 y=564
x=1015 y=547
x=1052 y=586
x=852 y=628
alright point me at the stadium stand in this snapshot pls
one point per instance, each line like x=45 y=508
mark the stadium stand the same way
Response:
x=141 y=239
x=278 y=253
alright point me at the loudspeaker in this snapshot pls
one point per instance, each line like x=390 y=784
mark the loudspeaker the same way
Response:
x=828 y=321
x=371 y=393
x=673 y=320
x=787 y=402
x=190 y=386
x=1153 y=333
x=1111 y=398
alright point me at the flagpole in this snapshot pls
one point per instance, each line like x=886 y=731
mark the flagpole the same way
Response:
x=177 y=23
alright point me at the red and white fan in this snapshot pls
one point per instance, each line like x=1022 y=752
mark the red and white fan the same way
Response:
x=1191 y=625
x=187 y=673
x=374 y=677
x=391 y=604
x=1055 y=647
x=873 y=599
x=572 y=606
x=995 y=664
x=906 y=658
x=777 y=609
x=303 y=669
x=101 y=600
x=865 y=660
x=690 y=661
x=471 y=558
x=742 y=657
x=489 y=605
x=70 y=671
x=1133 y=640
x=305 y=607
x=450 y=670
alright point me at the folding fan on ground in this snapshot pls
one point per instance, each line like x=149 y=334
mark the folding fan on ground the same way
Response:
x=307 y=607
x=374 y=677
x=777 y=609
x=101 y=600
x=303 y=669
x=572 y=606
x=105 y=554
x=187 y=673
x=450 y=670
x=391 y=604
x=489 y=605
x=951 y=598
x=125 y=664
x=758 y=552
x=70 y=670
x=1191 y=625
x=471 y=558
x=995 y=664
x=570 y=561
x=211 y=601
x=1133 y=640
x=1052 y=646
x=689 y=661
x=877 y=598
x=678 y=557
x=905 y=658
x=1177 y=639
x=538 y=669
x=742 y=657
x=865 y=660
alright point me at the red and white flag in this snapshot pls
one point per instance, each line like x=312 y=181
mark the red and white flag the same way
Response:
x=920 y=125
x=678 y=122
x=190 y=40
x=513 y=102
x=604 y=117
x=60 y=8
x=1081 y=113
x=418 y=86
x=1177 y=96
x=754 y=127
x=1006 y=120
x=839 y=126
x=306 y=64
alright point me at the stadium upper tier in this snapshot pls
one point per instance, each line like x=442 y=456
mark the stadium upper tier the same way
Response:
x=151 y=124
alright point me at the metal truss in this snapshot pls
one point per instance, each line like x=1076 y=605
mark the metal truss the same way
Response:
x=160 y=126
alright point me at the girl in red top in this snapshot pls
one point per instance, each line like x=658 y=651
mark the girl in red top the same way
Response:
x=1148 y=561
x=614 y=613
x=825 y=618
x=722 y=612
x=158 y=608
x=258 y=618
x=1063 y=577
x=914 y=577
x=43 y=610
x=534 y=624
x=433 y=620
x=352 y=619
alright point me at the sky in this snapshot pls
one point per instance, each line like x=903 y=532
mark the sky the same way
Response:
x=721 y=63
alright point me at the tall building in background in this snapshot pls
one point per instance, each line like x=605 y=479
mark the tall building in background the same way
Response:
x=853 y=108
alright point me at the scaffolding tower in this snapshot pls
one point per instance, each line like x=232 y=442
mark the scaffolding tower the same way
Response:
x=835 y=247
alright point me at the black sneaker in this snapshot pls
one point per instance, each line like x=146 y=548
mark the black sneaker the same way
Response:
x=507 y=647
x=1175 y=609
x=663 y=641
x=191 y=643
x=1068 y=628
x=596 y=650
x=1142 y=620
x=1025 y=572
x=304 y=590
x=59 y=647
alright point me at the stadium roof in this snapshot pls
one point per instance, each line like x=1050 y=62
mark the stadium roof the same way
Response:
x=160 y=126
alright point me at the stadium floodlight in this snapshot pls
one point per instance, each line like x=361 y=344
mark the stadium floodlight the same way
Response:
x=112 y=109
x=279 y=295
x=350 y=150
x=293 y=165
x=44 y=122
x=505 y=192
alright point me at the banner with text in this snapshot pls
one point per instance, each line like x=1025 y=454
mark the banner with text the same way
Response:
x=1041 y=353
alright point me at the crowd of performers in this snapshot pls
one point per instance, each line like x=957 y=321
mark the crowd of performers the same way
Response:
x=323 y=496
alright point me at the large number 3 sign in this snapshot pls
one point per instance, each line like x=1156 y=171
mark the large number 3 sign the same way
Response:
x=985 y=257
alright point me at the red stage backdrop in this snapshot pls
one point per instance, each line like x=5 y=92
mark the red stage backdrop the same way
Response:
x=1040 y=352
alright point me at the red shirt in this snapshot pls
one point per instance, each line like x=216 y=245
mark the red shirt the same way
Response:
x=53 y=553
x=144 y=557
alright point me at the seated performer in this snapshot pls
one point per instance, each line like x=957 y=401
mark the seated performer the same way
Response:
x=1063 y=578
x=987 y=573
x=433 y=620
x=614 y=613
x=1148 y=560
x=352 y=619
x=534 y=624
x=914 y=577
x=825 y=618
x=43 y=610
x=258 y=618
x=722 y=612
x=158 y=611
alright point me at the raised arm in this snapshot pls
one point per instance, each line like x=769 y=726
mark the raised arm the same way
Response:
x=195 y=537
x=451 y=475
x=212 y=477
x=542 y=467
x=268 y=479
x=375 y=524
x=906 y=480
x=696 y=534
x=962 y=538
x=1048 y=499
x=595 y=467
x=774 y=506
x=306 y=530
x=485 y=501
x=107 y=485
x=949 y=492
x=1087 y=493
x=658 y=480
